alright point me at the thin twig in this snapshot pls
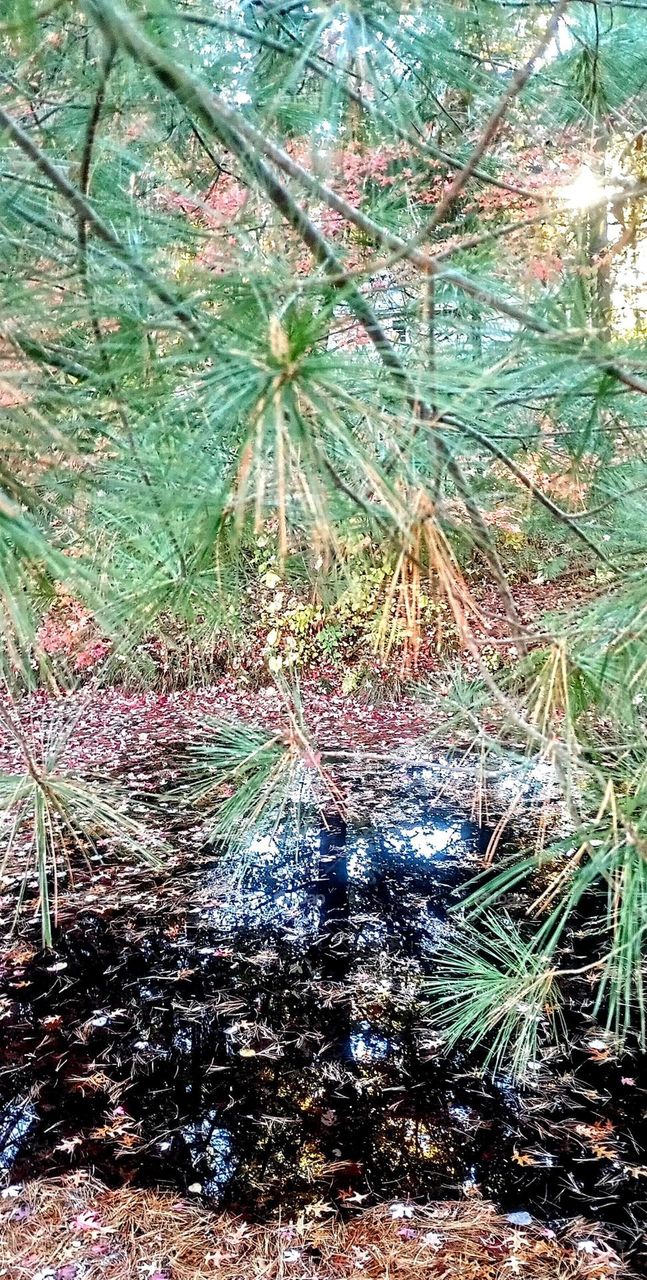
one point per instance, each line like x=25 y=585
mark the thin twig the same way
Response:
x=84 y=210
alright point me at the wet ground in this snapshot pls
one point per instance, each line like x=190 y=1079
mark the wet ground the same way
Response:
x=263 y=1040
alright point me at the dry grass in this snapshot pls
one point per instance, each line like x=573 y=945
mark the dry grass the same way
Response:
x=75 y=1229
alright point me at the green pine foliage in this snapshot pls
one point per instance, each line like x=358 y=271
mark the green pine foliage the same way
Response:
x=53 y=817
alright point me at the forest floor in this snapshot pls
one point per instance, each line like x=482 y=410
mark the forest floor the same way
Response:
x=134 y=736
x=76 y=1229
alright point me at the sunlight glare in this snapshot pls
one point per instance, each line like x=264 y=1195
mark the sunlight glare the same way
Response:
x=585 y=191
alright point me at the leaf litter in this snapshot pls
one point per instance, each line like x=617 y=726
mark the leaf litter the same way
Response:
x=77 y=1229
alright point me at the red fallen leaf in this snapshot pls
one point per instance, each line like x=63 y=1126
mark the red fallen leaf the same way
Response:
x=86 y=1221
x=68 y=1272
x=89 y=1221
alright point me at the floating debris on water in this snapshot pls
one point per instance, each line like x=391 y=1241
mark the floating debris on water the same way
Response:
x=263 y=1040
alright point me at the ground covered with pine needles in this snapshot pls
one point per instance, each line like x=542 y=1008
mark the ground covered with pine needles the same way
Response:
x=75 y=1228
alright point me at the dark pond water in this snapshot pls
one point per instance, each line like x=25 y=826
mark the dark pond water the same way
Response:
x=263 y=1040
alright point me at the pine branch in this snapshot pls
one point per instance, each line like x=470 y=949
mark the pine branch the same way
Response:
x=91 y=133
x=490 y=132
x=430 y=265
x=84 y=178
x=43 y=353
x=319 y=66
x=564 y=517
x=225 y=122
x=85 y=212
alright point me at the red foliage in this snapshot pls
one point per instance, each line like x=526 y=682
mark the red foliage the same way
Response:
x=69 y=631
x=545 y=268
x=221 y=204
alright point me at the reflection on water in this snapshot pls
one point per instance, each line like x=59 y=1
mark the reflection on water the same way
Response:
x=301 y=879
x=17 y=1119
x=267 y=1045
x=367 y=1045
x=212 y=1153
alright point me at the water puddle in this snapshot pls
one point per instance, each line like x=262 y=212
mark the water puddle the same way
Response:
x=264 y=1043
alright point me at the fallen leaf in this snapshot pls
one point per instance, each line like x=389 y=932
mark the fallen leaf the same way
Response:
x=402 y=1210
x=523 y=1157
x=69 y=1144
